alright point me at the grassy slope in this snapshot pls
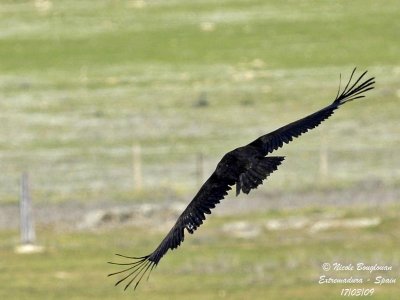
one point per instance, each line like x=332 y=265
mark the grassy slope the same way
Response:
x=80 y=84
x=211 y=264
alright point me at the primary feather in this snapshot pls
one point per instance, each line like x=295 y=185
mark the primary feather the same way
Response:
x=246 y=167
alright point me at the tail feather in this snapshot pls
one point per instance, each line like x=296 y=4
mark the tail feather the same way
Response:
x=254 y=176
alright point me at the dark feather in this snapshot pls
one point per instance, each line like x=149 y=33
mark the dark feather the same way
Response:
x=257 y=171
x=274 y=140
x=210 y=194
x=246 y=167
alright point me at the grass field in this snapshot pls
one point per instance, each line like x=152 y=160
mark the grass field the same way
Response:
x=277 y=264
x=81 y=83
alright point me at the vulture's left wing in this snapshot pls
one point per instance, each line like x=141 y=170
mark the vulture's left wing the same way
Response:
x=274 y=140
x=209 y=195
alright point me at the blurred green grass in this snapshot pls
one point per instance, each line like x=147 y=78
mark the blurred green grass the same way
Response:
x=80 y=83
x=212 y=264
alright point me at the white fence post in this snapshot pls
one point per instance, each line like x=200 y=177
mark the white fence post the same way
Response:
x=28 y=235
x=137 y=167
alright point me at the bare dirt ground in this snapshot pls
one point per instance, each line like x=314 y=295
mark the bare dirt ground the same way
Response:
x=81 y=216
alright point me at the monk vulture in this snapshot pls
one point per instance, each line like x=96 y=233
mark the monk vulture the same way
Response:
x=246 y=167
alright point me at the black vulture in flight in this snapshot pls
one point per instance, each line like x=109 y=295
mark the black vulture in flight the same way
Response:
x=246 y=167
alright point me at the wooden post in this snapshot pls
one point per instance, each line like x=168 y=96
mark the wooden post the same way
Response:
x=28 y=235
x=199 y=169
x=137 y=167
x=323 y=158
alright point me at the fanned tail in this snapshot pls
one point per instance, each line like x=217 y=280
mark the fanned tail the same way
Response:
x=353 y=91
x=135 y=270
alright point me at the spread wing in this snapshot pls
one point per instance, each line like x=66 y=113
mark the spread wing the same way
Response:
x=274 y=140
x=245 y=166
x=209 y=195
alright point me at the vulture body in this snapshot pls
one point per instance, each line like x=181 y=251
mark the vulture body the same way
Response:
x=246 y=167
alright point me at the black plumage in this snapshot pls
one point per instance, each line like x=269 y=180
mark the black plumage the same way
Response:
x=246 y=167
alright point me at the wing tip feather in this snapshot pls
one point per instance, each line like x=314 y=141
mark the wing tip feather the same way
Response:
x=134 y=271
